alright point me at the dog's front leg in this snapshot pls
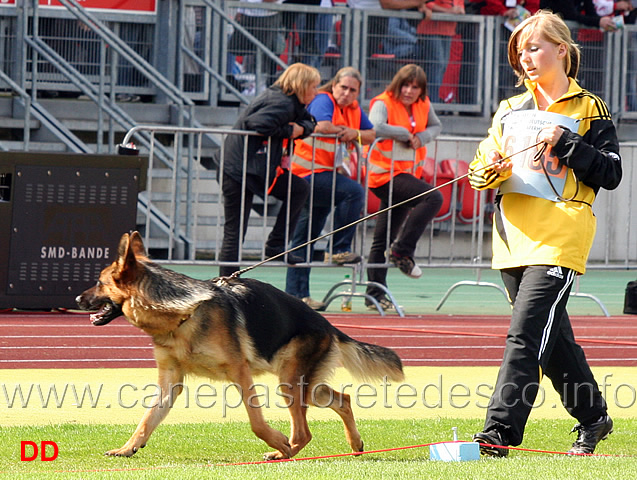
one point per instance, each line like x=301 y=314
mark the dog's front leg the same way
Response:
x=275 y=439
x=170 y=386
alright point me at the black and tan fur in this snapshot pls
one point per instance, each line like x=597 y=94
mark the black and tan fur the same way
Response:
x=232 y=330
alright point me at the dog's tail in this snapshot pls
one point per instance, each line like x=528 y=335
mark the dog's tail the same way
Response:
x=366 y=361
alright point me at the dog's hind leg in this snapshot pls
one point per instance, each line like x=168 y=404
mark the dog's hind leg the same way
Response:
x=325 y=396
x=170 y=386
x=241 y=375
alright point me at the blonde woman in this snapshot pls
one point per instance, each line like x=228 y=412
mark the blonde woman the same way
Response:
x=278 y=114
x=544 y=228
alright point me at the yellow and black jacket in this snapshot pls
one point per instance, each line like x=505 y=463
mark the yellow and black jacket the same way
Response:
x=535 y=231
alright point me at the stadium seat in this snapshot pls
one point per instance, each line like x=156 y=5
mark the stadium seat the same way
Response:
x=434 y=175
x=467 y=200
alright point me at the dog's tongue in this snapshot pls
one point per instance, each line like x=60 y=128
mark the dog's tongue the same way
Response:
x=98 y=317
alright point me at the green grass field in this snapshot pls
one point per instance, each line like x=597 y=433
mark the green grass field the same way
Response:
x=201 y=440
x=212 y=450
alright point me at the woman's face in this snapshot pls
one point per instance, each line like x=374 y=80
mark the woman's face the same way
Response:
x=346 y=91
x=542 y=61
x=309 y=94
x=410 y=92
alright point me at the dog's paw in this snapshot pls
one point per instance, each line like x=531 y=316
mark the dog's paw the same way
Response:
x=280 y=443
x=361 y=449
x=276 y=455
x=122 y=452
x=284 y=450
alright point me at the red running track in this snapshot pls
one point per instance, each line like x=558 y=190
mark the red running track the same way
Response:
x=65 y=340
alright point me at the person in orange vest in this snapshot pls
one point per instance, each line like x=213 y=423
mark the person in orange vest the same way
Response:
x=323 y=162
x=405 y=122
x=278 y=114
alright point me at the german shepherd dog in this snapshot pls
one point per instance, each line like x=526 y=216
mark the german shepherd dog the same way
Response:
x=233 y=329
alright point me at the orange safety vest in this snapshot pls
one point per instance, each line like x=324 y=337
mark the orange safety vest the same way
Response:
x=285 y=165
x=324 y=147
x=383 y=155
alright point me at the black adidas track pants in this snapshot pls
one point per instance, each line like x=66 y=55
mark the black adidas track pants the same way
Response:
x=540 y=342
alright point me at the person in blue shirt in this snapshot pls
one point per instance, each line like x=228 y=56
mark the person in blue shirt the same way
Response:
x=323 y=162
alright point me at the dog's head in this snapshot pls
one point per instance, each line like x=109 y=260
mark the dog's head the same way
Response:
x=112 y=290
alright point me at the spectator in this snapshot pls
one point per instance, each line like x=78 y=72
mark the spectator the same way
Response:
x=508 y=10
x=267 y=27
x=604 y=7
x=468 y=32
x=304 y=24
x=467 y=88
x=313 y=30
x=74 y=41
x=580 y=11
x=324 y=29
x=193 y=23
x=544 y=232
x=630 y=17
x=378 y=25
x=435 y=44
x=404 y=117
x=401 y=38
x=278 y=113
x=336 y=111
x=140 y=38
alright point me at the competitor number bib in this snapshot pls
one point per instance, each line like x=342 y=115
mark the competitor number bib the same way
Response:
x=520 y=132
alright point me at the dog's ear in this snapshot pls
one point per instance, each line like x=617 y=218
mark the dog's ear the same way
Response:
x=126 y=261
x=123 y=246
x=137 y=244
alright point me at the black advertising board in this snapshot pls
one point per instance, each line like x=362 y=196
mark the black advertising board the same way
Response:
x=61 y=218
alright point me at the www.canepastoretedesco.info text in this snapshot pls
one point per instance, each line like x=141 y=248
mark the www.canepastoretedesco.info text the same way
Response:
x=226 y=396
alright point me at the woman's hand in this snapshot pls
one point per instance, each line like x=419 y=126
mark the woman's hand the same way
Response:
x=414 y=142
x=494 y=157
x=550 y=134
x=348 y=134
x=510 y=13
x=607 y=24
x=425 y=10
x=297 y=130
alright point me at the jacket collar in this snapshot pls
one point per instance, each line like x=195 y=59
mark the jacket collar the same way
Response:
x=573 y=88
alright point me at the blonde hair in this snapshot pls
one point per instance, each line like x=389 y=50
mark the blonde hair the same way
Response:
x=297 y=79
x=408 y=74
x=554 y=30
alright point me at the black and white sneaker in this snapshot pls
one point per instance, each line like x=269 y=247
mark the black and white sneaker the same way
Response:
x=588 y=436
x=489 y=441
x=385 y=303
x=405 y=264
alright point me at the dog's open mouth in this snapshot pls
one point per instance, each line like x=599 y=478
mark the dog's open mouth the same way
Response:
x=109 y=311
